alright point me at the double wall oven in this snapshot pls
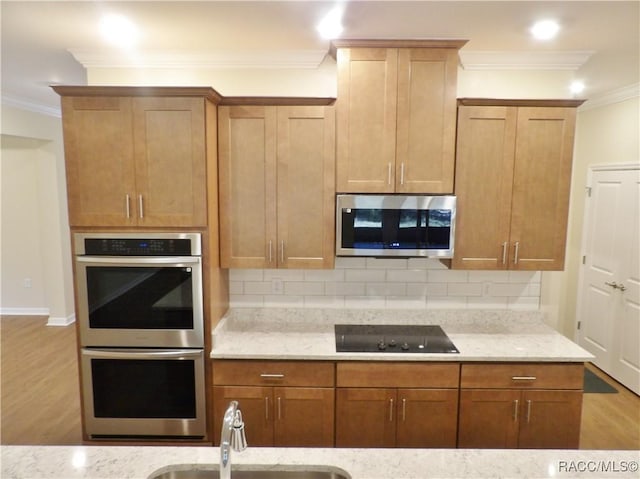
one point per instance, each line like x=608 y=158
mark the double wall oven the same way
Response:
x=141 y=331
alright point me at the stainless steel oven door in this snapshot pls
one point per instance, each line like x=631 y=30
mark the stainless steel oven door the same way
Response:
x=140 y=301
x=140 y=392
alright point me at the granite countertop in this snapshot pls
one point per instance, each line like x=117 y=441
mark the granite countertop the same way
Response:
x=273 y=333
x=143 y=462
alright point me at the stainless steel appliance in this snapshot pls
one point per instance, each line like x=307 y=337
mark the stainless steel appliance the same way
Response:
x=395 y=225
x=370 y=338
x=141 y=330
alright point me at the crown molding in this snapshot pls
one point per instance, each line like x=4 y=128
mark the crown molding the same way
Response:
x=30 y=105
x=614 y=96
x=523 y=60
x=306 y=59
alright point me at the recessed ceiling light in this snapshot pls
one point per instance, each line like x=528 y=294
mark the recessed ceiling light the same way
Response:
x=576 y=87
x=331 y=25
x=118 y=30
x=545 y=29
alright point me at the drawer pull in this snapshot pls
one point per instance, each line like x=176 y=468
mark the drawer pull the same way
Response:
x=528 y=410
x=515 y=410
x=272 y=376
x=523 y=378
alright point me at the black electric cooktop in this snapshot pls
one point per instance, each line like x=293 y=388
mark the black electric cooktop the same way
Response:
x=378 y=338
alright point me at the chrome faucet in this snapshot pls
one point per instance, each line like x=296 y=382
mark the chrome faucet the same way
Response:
x=231 y=437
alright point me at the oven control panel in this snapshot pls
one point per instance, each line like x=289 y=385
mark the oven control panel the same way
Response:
x=137 y=247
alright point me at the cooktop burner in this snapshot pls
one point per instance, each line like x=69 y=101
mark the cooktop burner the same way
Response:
x=377 y=338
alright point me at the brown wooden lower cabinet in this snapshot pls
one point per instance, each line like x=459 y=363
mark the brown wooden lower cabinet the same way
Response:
x=388 y=417
x=511 y=418
x=279 y=416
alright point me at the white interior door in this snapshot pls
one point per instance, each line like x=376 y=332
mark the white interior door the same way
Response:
x=609 y=291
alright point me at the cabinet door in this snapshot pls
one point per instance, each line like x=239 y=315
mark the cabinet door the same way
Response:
x=365 y=417
x=306 y=186
x=427 y=418
x=550 y=419
x=366 y=119
x=256 y=404
x=304 y=417
x=98 y=146
x=247 y=167
x=426 y=120
x=170 y=161
x=484 y=174
x=541 y=183
x=489 y=418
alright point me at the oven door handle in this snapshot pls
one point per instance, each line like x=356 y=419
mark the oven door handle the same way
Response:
x=142 y=354
x=134 y=260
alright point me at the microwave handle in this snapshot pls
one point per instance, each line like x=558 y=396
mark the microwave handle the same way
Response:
x=138 y=354
x=139 y=260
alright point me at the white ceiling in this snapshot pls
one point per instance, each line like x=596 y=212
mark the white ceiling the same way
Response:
x=599 y=39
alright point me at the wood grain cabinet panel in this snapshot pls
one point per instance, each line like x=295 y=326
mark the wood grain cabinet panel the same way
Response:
x=277 y=186
x=135 y=160
x=513 y=172
x=396 y=116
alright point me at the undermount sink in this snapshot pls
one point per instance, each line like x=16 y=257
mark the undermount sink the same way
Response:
x=182 y=472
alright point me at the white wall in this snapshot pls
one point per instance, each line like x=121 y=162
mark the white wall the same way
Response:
x=607 y=132
x=35 y=235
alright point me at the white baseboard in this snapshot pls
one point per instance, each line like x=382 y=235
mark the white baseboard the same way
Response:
x=24 y=311
x=61 y=321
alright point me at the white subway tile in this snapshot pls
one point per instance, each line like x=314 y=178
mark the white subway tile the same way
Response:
x=324 y=275
x=425 y=263
x=283 y=301
x=386 y=289
x=284 y=274
x=324 y=302
x=446 y=303
x=246 y=301
x=464 y=289
x=257 y=287
x=236 y=287
x=534 y=290
x=524 y=276
x=407 y=275
x=436 y=289
x=508 y=289
x=350 y=263
x=487 y=302
x=406 y=302
x=524 y=304
x=447 y=276
x=303 y=288
x=364 y=275
x=386 y=263
x=488 y=276
x=364 y=302
x=246 y=274
x=344 y=289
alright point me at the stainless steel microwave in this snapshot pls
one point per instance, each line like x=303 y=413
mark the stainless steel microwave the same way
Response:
x=395 y=225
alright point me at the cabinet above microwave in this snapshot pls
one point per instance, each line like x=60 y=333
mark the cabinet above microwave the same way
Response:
x=395 y=225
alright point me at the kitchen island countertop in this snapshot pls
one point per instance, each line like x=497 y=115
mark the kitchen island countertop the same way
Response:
x=142 y=462
x=308 y=334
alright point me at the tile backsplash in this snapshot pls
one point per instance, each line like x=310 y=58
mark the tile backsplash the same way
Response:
x=385 y=283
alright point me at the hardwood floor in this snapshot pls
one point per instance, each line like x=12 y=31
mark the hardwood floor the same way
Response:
x=40 y=392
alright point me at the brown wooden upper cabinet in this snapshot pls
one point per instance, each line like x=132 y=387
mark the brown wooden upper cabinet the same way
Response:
x=136 y=157
x=513 y=173
x=396 y=115
x=277 y=187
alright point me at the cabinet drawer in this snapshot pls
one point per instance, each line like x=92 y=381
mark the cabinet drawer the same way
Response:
x=522 y=376
x=273 y=373
x=398 y=375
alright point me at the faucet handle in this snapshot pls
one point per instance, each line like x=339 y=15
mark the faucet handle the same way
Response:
x=238 y=438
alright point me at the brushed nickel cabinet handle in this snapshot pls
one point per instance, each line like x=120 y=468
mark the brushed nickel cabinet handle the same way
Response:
x=282 y=251
x=402 y=173
x=389 y=173
x=516 y=250
x=141 y=205
x=528 y=410
x=523 y=378
x=390 y=410
x=271 y=376
x=270 y=251
x=279 y=408
x=516 y=405
x=504 y=253
x=266 y=408
x=404 y=409
x=128 y=206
